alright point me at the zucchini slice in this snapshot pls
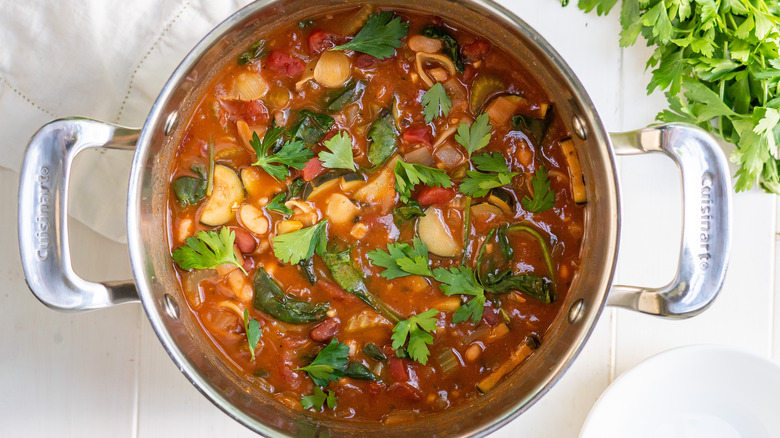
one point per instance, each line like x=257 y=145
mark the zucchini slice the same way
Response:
x=227 y=195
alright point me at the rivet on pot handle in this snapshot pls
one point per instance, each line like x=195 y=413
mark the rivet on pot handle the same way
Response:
x=43 y=214
x=706 y=239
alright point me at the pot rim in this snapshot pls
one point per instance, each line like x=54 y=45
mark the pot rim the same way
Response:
x=158 y=119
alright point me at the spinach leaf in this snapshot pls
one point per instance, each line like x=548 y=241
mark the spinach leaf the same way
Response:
x=450 y=45
x=374 y=352
x=407 y=212
x=310 y=127
x=190 y=190
x=384 y=140
x=537 y=128
x=357 y=370
x=533 y=285
x=271 y=299
x=351 y=280
x=336 y=100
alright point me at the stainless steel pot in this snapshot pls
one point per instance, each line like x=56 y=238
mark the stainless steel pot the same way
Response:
x=43 y=226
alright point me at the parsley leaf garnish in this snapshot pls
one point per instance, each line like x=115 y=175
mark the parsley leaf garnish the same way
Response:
x=543 y=198
x=318 y=399
x=329 y=365
x=409 y=174
x=277 y=204
x=300 y=245
x=476 y=136
x=435 y=102
x=418 y=330
x=253 y=332
x=478 y=183
x=462 y=280
x=379 y=37
x=207 y=250
x=402 y=259
x=292 y=153
x=340 y=155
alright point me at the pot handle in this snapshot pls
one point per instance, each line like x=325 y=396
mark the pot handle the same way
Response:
x=706 y=238
x=43 y=214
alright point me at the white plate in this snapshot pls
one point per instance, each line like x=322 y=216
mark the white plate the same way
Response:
x=691 y=392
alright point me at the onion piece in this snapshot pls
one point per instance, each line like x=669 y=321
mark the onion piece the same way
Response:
x=422 y=58
x=421 y=155
x=449 y=156
x=307 y=75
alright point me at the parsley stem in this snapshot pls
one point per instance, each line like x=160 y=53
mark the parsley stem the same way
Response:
x=466 y=230
x=210 y=176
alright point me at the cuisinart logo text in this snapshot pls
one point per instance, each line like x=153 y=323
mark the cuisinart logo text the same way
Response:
x=706 y=220
x=42 y=218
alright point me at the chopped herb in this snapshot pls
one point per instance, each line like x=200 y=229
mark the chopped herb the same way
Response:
x=418 y=330
x=476 y=136
x=319 y=399
x=435 y=102
x=207 y=250
x=379 y=37
x=292 y=154
x=340 y=155
x=303 y=24
x=253 y=332
x=479 y=183
x=253 y=53
x=450 y=45
x=301 y=244
x=277 y=204
x=329 y=365
x=402 y=259
x=543 y=198
x=384 y=140
x=407 y=175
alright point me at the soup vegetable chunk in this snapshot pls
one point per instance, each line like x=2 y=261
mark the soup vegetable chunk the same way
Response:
x=375 y=205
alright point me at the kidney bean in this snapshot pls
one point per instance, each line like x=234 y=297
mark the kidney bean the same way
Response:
x=325 y=330
x=246 y=242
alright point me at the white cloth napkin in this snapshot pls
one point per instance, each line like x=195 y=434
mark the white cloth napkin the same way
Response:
x=103 y=59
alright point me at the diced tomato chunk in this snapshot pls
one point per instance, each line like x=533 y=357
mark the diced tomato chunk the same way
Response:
x=397 y=369
x=253 y=112
x=374 y=388
x=434 y=195
x=284 y=64
x=313 y=169
x=418 y=135
x=319 y=41
x=475 y=51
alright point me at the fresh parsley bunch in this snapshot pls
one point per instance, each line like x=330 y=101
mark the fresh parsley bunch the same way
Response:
x=719 y=63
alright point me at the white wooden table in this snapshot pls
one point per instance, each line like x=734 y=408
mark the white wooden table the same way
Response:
x=104 y=374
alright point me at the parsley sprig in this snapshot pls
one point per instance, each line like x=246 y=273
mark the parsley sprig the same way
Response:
x=435 y=102
x=543 y=198
x=492 y=171
x=329 y=365
x=253 y=332
x=291 y=154
x=207 y=250
x=340 y=155
x=476 y=136
x=300 y=245
x=407 y=175
x=319 y=399
x=277 y=204
x=402 y=259
x=417 y=329
x=719 y=63
x=379 y=37
x=462 y=280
